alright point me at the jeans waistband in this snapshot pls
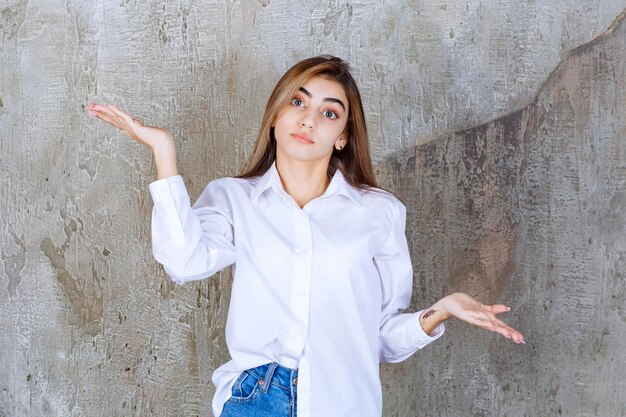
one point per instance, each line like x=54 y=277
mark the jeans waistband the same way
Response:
x=275 y=374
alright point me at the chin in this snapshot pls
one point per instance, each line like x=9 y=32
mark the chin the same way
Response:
x=300 y=154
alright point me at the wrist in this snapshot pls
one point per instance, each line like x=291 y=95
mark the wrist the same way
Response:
x=165 y=149
x=442 y=307
x=431 y=318
x=165 y=160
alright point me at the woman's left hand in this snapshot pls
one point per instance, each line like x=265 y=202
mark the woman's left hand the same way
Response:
x=466 y=308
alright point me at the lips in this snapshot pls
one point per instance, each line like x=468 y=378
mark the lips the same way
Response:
x=302 y=138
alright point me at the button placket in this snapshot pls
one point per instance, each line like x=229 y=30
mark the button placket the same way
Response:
x=302 y=269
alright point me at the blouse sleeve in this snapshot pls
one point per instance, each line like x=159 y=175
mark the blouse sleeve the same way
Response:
x=400 y=333
x=191 y=243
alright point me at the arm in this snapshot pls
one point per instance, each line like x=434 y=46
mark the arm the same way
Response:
x=191 y=243
x=400 y=333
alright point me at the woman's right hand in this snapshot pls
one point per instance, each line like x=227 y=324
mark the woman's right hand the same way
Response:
x=158 y=139
x=151 y=136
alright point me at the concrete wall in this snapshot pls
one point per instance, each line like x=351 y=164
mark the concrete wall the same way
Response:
x=529 y=209
x=502 y=134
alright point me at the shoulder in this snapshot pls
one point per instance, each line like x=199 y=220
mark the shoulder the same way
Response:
x=231 y=184
x=382 y=208
x=227 y=189
x=382 y=200
x=385 y=213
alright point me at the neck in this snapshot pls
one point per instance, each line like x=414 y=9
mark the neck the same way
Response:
x=303 y=181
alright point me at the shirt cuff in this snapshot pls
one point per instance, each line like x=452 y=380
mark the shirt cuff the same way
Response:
x=168 y=190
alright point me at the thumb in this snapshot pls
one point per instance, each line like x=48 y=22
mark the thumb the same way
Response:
x=498 y=308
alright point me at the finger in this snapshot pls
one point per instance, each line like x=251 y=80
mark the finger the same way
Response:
x=111 y=120
x=118 y=118
x=509 y=332
x=103 y=116
x=102 y=110
x=120 y=113
x=111 y=110
x=131 y=126
x=498 y=308
x=518 y=338
x=487 y=320
x=515 y=336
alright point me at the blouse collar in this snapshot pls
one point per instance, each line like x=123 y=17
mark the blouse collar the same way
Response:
x=338 y=185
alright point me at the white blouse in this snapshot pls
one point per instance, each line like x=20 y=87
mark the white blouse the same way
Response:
x=320 y=288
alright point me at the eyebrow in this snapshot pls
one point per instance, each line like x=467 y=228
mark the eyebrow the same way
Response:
x=331 y=99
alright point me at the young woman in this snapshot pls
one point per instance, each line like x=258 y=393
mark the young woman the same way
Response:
x=321 y=268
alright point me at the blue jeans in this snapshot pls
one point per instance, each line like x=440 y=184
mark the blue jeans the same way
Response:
x=265 y=391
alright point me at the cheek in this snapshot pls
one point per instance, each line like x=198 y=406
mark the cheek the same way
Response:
x=342 y=129
x=278 y=117
x=346 y=128
x=285 y=114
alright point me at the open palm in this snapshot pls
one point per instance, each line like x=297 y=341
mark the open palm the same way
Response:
x=150 y=136
x=468 y=309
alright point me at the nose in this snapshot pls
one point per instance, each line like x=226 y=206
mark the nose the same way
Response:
x=307 y=120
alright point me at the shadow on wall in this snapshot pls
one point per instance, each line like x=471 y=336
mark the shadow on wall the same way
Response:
x=530 y=210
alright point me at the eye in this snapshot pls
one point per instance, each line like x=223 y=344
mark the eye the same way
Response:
x=330 y=114
x=297 y=102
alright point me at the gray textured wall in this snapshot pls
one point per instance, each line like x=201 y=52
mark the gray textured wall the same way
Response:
x=504 y=136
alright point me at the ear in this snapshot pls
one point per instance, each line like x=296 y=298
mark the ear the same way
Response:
x=341 y=142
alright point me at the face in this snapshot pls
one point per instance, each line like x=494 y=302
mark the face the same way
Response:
x=313 y=123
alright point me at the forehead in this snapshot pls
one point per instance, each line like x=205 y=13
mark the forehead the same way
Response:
x=321 y=88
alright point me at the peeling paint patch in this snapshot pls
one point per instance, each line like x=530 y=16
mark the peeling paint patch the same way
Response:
x=11 y=19
x=86 y=309
x=14 y=263
x=331 y=20
x=90 y=166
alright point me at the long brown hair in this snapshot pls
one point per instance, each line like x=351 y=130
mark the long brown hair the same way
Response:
x=354 y=159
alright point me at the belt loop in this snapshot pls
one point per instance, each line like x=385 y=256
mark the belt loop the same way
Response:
x=268 y=377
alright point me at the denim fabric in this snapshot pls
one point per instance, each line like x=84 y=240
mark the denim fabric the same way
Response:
x=265 y=391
